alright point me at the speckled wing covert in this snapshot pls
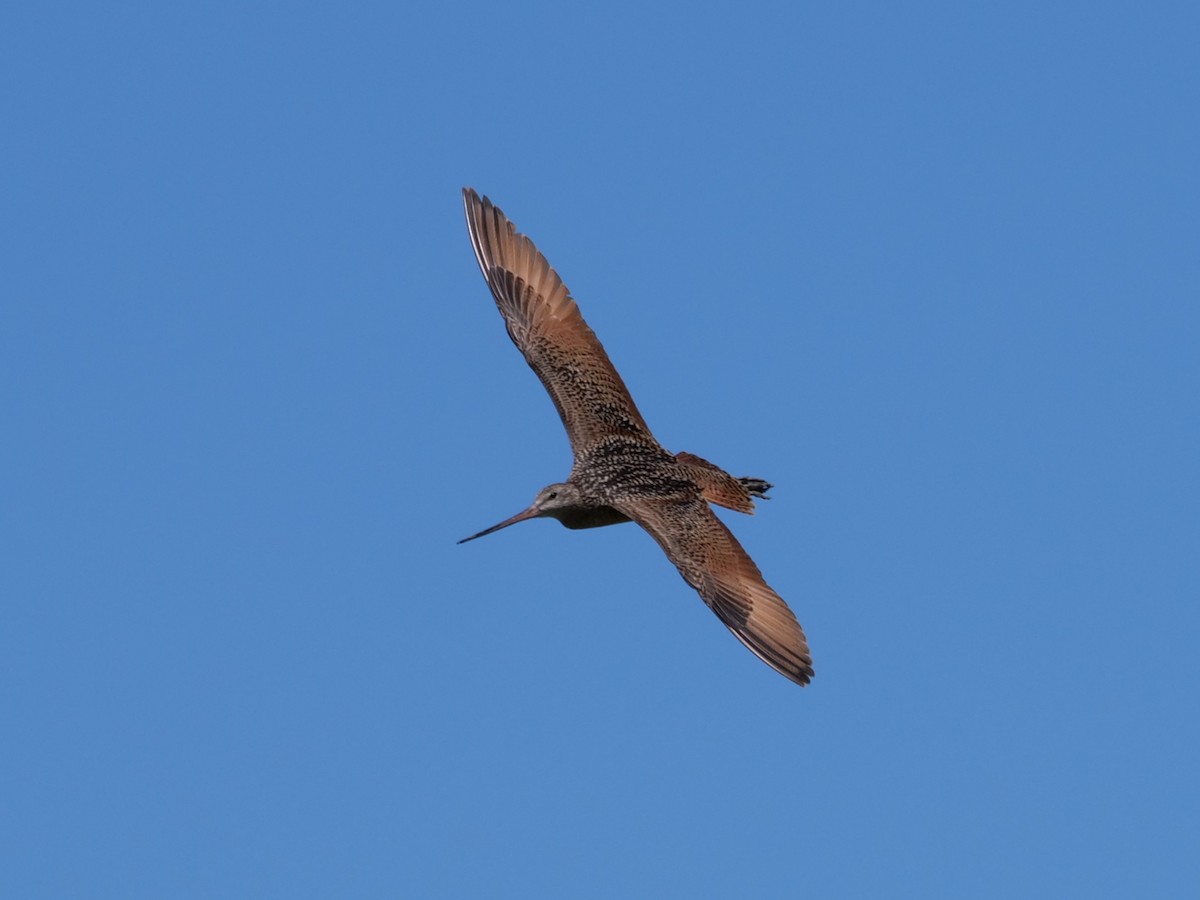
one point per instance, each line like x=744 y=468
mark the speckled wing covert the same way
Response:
x=711 y=560
x=545 y=324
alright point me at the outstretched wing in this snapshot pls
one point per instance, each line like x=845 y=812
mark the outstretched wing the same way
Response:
x=711 y=560
x=546 y=326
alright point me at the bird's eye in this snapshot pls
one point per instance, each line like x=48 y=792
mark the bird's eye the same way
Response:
x=552 y=495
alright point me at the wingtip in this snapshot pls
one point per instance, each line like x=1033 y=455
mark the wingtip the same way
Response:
x=471 y=200
x=803 y=678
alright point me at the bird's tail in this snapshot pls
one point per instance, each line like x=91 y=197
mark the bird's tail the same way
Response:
x=721 y=488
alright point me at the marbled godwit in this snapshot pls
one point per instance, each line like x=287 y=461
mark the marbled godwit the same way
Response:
x=621 y=472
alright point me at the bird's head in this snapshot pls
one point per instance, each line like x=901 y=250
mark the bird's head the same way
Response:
x=552 y=500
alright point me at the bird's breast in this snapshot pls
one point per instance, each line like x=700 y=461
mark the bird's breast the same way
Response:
x=594 y=517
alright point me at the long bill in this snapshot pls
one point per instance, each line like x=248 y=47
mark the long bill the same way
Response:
x=519 y=517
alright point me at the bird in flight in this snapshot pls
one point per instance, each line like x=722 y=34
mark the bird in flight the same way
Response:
x=620 y=472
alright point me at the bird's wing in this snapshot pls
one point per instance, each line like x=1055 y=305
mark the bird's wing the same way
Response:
x=546 y=326
x=711 y=560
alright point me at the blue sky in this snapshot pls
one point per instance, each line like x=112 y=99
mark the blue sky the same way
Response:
x=929 y=268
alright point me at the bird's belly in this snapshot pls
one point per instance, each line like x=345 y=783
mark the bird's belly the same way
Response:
x=592 y=518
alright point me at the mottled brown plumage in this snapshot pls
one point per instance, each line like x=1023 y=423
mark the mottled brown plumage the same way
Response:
x=620 y=471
